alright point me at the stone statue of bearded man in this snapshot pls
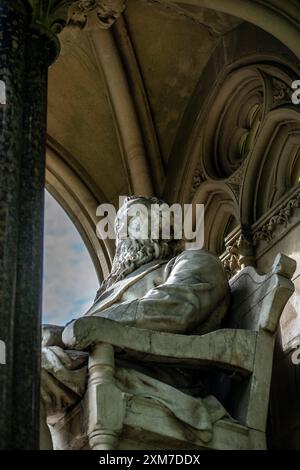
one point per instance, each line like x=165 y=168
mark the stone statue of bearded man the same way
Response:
x=153 y=284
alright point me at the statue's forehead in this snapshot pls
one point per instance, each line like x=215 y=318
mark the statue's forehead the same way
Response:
x=132 y=205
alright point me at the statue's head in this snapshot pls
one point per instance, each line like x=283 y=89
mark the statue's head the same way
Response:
x=137 y=241
x=145 y=218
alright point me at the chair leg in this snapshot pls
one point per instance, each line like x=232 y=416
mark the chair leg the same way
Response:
x=105 y=400
x=103 y=440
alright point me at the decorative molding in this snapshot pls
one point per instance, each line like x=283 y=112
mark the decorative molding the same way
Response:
x=233 y=121
x=232 y=145
x=280 y=219
x=96 y=13
x=234 y=181
x=48 y=18
x=237 y=176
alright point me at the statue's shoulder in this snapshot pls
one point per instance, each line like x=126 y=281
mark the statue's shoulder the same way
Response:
x=198 y=255
x=193 y=260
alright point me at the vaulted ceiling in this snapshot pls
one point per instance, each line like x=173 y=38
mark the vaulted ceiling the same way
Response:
x=117 y=97
x=158 y=103
x=163 y=49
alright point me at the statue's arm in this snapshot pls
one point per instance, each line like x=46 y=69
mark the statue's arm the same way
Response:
x=193 y=289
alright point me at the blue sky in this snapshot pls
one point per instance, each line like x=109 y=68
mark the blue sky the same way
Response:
x=70 y=280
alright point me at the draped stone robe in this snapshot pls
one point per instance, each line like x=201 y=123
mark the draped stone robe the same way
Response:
x=187 y=294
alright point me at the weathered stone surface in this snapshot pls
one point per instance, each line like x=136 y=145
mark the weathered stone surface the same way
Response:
x=115 y=327
x=30 y=253
x=227 y=348
x=23 y=75
x=12 y=71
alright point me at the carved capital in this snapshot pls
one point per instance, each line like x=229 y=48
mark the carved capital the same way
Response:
x=238 y=256
x=96 y=13
x=48 y=18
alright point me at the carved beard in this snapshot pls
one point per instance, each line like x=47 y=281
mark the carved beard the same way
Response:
x=131 y=254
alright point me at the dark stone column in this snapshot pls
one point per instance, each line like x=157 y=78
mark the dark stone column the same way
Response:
x=12 y=42
x=26 y=396
x=27 y=46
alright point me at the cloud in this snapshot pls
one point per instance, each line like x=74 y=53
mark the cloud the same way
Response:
x=70 y=280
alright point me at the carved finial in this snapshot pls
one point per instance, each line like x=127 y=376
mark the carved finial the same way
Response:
x=91 y=13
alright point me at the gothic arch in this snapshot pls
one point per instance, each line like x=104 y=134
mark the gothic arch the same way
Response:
x=272 y=166
x=221 y=213
x=240 y=84
x=80 y=204
x=237 y=149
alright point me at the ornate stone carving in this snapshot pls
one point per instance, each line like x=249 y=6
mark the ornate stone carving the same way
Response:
x=235 y=180
x=233 y=122
x=235 y=189
x=236 y=115
x=102 y=13
x=281 y=92
x=238 y=256
x=282 y=217
x=198 y=178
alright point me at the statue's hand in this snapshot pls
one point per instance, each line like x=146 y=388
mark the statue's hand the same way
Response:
x=52 y=336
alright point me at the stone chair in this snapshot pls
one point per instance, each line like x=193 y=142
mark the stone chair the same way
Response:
x=240 y=354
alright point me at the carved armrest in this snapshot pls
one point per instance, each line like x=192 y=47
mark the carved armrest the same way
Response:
x=225 y=349
x=257 y=300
